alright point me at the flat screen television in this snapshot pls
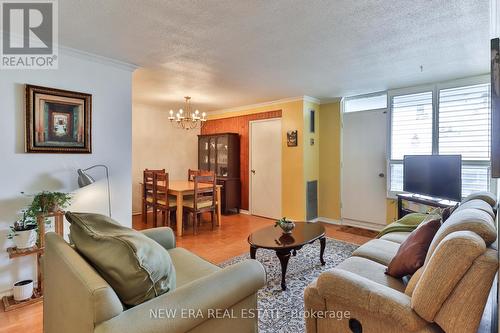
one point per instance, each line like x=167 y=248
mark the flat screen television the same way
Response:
x=438 y=176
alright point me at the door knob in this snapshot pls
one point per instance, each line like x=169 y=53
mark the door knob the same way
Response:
x=381 y=175
x=253 y=172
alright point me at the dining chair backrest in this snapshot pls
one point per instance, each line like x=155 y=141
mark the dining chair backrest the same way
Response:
x=148 y=180
x=204 y=194
x=161 y=188
x=191 y=174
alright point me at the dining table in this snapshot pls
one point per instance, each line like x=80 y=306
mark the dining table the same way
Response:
x=182 y=188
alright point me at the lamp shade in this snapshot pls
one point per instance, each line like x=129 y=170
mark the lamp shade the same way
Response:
x=84 y=179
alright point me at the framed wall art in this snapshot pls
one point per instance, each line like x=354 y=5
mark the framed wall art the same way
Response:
x=58 y=121
x=291 y=138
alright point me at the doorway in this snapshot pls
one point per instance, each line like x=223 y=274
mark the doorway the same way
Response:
x=265 y=168
x=363 y=195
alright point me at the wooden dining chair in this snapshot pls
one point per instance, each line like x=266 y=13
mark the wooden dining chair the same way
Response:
x=191 y=174
x=163 y=202
x=147 y=191
x=203 y=201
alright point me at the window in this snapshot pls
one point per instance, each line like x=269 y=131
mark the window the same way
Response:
x=411 y=125
x=443 y=121
x=365 y=102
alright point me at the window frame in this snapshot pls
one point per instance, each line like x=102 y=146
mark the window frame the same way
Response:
x=435 y=89
x=354 y=97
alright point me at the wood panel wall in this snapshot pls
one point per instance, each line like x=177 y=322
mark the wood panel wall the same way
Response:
x=240 y=125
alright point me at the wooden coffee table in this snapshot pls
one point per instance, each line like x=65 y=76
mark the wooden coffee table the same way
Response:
x=285 y=245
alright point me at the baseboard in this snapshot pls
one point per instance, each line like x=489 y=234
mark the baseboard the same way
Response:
x=363 y=225
x=327 y=220
x=244 y=211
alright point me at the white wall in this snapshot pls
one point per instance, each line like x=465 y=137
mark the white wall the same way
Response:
x=158 y=145
x=110 y=86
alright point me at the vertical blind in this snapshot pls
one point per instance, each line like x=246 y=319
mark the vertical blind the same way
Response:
x=464 y=118
x=464 y=122
x=411 y=132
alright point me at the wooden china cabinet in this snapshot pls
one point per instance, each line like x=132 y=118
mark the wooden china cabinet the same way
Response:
x=220 y=153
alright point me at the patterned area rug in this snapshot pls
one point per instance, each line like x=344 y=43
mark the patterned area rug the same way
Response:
x=281 y=311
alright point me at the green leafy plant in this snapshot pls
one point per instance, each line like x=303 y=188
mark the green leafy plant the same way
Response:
x=46 y=201
x=27 y=222
x=281 y=221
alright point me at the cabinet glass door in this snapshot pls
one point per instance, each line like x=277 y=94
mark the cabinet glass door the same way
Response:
x=212 y=147
x=222 y=156
x=204 y=154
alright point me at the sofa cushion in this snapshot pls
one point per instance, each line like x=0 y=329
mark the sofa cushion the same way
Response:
x=378 y=250
x=488 y=197
x=469 y=219
x=446 y=267
x=396 y=237
x=136 y=267
x=412 y=252
x=477 y=204
x=371 y=270
x=189 y=267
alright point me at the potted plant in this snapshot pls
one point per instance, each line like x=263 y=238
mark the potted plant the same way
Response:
x=47 y=202
x=24 y=232
x=285 y=225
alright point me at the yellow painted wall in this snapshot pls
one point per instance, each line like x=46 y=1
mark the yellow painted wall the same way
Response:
x=303 y=163
x=329 y=161
x=392 y=210
x=292 y=166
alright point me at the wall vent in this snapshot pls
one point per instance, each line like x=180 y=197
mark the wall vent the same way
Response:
x=312 y=200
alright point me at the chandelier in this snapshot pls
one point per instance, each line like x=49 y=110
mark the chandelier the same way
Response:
x=186 y=118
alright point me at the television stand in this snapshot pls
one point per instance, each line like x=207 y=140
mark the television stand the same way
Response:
x=415 y=203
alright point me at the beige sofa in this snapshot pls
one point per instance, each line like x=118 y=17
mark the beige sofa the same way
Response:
x=447 y=294
x=78 y=300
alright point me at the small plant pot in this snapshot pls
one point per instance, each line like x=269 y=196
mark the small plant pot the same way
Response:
x=24 y=239
x=287 y=227
x=23 y=290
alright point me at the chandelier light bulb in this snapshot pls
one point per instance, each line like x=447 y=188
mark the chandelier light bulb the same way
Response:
x=187 y=118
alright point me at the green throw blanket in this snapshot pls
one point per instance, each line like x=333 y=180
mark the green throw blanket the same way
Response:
x=407 y=223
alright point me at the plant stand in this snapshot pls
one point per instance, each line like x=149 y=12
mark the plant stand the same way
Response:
x=8 y=301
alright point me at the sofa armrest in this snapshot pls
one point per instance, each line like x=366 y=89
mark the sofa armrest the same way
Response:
x=220 y=290
x=163 y=235
x=344 y=289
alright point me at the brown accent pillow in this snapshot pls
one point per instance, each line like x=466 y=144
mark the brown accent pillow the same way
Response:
x=412 y=252
x=448 y=211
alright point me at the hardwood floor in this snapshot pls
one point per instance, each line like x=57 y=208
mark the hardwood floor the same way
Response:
x=215 y=246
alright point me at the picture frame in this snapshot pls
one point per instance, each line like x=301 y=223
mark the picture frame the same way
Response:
x=57 y=121
x=291 y=138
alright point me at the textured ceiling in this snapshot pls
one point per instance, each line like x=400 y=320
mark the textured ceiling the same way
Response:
x=229 y=53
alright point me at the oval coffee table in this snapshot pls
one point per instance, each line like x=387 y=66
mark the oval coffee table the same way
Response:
x=285 y=245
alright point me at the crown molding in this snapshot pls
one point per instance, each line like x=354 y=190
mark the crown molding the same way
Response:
x=97 y=58
x=312 y=99
x=256 y=105
x=264 y=104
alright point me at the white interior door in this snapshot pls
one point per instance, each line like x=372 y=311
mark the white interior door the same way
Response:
x=363 y=168
x=265 y=168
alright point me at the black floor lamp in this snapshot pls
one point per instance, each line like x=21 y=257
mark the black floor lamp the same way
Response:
x=85 y=179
